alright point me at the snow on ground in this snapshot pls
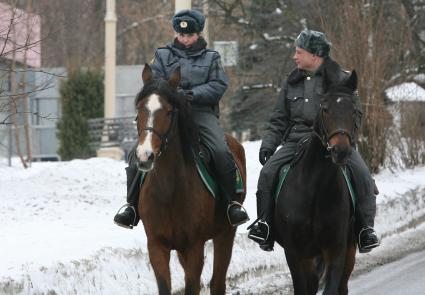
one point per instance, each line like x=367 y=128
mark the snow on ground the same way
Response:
x=57 y=234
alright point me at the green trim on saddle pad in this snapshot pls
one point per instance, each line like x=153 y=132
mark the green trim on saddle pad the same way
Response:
x=142 y=177
x=284 y=172
x=282 y=175
x=350 y=187
x=209 y=181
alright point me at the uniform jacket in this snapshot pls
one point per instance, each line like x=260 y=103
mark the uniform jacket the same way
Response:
x=201 y=73
x=299 y=102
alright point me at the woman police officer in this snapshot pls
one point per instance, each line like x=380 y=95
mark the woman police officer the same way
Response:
x=204 y=83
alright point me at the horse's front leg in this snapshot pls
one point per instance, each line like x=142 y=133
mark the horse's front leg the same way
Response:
x=192 y=260
x=223 y=245
x=350 y=259
x=335 y=269
x=159 y=256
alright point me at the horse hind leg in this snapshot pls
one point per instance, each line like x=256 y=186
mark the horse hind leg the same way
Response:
x=223 y=245
x=159 y=256
x=192 y=261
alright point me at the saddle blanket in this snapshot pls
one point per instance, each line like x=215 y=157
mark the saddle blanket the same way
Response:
x=208 y=180
x=284 y=172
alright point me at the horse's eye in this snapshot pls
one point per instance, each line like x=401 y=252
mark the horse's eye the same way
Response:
x=142 y=110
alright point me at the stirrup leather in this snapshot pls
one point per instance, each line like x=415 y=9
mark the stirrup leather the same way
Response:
x=135 y=215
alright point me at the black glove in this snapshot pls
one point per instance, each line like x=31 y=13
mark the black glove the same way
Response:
x=264 y=155
x=188 y=94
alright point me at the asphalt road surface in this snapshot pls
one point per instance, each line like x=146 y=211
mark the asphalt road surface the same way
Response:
x=403 y=277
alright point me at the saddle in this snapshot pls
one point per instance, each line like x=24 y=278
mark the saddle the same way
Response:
x=202 y=160
x=205 y=171
x=301 y=148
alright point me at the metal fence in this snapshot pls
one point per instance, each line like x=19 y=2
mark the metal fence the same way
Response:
x=113 y=132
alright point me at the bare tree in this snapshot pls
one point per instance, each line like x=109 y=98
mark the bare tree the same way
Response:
x=371 y=37
x=265 y=31
x=18 y=41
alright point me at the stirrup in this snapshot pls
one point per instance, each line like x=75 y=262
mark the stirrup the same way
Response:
x=368 y=248
x=259 y=239
x=234 y=203
x=135 y=216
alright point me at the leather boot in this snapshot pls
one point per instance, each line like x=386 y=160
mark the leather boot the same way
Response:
x=261 y=231
x=130 y=217
x=236 y=213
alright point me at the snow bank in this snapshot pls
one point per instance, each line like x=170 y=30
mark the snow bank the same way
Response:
x=57 y=234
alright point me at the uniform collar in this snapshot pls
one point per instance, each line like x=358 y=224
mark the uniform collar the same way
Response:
x=330 y=69
x=196 y=49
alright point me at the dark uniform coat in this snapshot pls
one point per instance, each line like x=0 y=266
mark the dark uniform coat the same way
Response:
x=202 y=76
x=201 y=73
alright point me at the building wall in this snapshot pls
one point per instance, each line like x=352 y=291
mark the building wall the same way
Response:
x=25 y=35
x=45 y=101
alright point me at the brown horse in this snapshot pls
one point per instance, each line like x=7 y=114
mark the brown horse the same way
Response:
x=176 y=209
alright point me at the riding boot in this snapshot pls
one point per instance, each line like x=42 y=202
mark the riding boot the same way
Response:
x=261 y=232
x=367 y=238
x=366 y=235
x=236 y=214
x=130 y=217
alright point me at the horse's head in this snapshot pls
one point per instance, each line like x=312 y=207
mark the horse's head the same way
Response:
x=335 y=123
x=156 y=115
x=160 y=111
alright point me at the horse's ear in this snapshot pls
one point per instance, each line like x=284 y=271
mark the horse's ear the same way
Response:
x=352 y=81
x=147 y=75
x=175 y=78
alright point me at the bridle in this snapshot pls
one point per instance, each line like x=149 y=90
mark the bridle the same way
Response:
x=163 y=137
x=325 y=135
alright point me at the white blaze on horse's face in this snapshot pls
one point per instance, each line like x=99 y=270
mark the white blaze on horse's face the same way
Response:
x=145 y=149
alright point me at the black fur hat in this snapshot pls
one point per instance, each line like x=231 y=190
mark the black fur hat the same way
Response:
x=314 y=42
x=188 y=21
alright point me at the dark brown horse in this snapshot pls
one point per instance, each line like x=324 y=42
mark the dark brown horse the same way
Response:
x=313 y=219
x=177 y=211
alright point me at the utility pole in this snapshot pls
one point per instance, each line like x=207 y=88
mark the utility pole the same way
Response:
x=110 y=58
x=205 y=33
x=182 y=4
x=110 y=69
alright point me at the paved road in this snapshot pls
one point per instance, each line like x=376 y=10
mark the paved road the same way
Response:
x=403 y=277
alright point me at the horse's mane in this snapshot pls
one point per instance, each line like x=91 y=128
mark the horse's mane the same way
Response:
x=187 y=128
x=339 y=90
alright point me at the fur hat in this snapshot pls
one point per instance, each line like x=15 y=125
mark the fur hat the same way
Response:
x=314 y=42
x=188 y=21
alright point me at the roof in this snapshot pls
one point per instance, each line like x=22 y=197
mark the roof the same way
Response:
x=409 y=91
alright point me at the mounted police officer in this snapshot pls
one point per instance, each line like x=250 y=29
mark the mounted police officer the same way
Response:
x=292 y=119
x=204 y=83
